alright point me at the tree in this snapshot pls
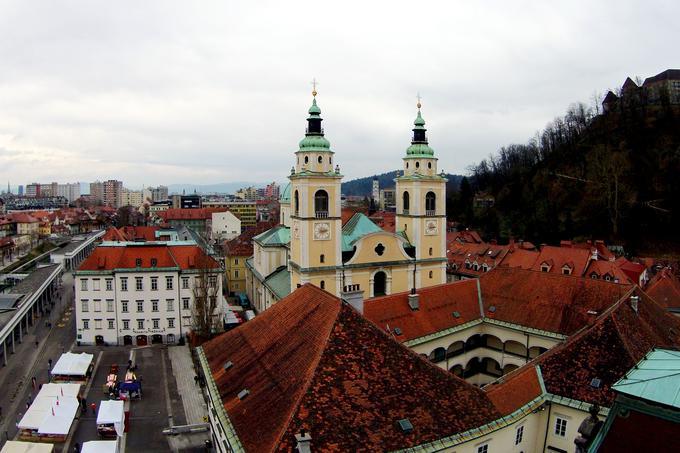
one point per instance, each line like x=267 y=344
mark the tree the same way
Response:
x=205 y=291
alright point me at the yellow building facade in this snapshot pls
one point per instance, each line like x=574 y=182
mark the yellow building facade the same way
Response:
x=357 y=256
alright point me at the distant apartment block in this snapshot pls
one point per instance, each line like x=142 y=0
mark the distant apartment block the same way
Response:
x=108 y=192
x=159 y=193
x=70 y=191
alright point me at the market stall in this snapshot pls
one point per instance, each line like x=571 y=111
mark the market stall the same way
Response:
x=100 y=446
x=51 y=415
x=14 y=446
x=111 y=419
x=73 y=367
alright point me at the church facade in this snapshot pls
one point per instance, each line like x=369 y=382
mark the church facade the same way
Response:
x=311 y=244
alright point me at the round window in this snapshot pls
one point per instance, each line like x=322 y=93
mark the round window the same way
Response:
x=379 y=249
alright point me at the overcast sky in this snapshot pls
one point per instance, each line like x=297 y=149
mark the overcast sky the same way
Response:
x=161 y=92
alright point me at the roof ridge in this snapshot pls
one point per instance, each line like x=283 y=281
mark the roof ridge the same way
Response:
x=309 y=377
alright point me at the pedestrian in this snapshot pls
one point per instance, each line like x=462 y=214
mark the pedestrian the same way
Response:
x=93 y=406
x=195 y=379
x=76 y=448
x=36 y=344
x=33 y=382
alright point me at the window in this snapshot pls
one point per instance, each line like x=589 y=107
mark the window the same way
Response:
x=138 y=284
x=109 y=284
x=236 y=286
x=236 y=274
x=405 y=202
x=97 y=305
x=323 y=284
x=185 y=282
x=168 y=282
x=110 y=321
x=296 y=202
x=83 y=284
x=140 y=323
x=154 y=262
x=154 y=305
x=138 y=262
x=140 y=306
x=171 y=304
x=417 y=164
x=185 y=303
x=430 y=274
x=171 y=323
x=430 y=251
x=430 y=203
x=235 y=261
x=96 y=284
x=322 y=258
x=483 y=448
x=321 y=204
x=109 y=305
x=126 y=324
x=154 y=284
x=156 y=323
x=545 y=267
x=123 y=284
x=86 y=324
x=519 y=434
x=566 y=270
x=186 y=321
x=212 y=281
x=98 y=324
x=84 y=307
x=319 y=159
x=124 y=306
x=560 y=427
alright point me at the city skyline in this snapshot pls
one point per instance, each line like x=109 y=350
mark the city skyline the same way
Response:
x=180 y=94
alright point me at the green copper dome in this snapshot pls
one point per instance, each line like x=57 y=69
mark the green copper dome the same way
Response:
x=419 y=146
x=314 y=139
x=285 y=195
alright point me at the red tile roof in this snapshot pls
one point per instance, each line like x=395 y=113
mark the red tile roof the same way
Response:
x=437 y=305
x=385 y=220
x=242 y=245
x=602 y=269
x=631 y=269
x=664 y=288
x=618 y=339
x=465 y=236
x=576 y=259
x=517 y=389
x=22 y=217
x=541 y=300
x=183 y=256
x=311 y=362
x=131 y=233
x=516 y=257
x=460 y=255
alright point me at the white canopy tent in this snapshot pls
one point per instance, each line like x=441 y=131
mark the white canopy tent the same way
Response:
x=100 y=446
x=14 y=446
x=112 y=412
x=53 y=410
x=70 y=364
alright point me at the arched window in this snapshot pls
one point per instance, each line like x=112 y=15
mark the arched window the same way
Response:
x=322 y=284
x=417 y=164
x=320 y=159
x=321 y=204
x=406 y=202
x=429 y=165
x=296 y=202
x=330 y=160
x=430 y=203
x=430 y=251
x=430 y=274
x=379 y=284
x=306 y=159
x=322 y=258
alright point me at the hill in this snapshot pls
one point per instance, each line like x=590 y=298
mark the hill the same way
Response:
x=611 y=176
x=364 y=186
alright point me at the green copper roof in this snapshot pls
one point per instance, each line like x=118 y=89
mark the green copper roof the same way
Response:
x=285 y=195
x=419 y=122
x=279 y=282
x=314 y=109
x=315 y=143
x=419 y=150
x=357 y=227
x=655 y=378
x=277 y=236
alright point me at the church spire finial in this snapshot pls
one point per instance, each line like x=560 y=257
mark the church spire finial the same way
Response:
x=314 y=84
x=419 y=99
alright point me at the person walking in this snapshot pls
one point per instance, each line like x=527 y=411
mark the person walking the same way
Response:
x=93 y=406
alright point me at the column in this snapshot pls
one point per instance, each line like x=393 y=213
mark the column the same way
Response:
x=12 y=341
x=21 y=322
x=4 y=351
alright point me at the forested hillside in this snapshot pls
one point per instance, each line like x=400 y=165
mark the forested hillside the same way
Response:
x=614 y=176
x=364 y=186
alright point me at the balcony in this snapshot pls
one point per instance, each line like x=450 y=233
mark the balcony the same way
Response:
x=321 y=214
x=430 y=213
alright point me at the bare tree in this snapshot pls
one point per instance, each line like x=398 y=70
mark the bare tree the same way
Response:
x=206 y=290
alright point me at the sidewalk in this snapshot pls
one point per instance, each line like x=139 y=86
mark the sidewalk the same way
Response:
x=192 y=397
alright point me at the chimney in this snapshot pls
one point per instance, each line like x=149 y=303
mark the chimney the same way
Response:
x=594 y=254
x=414 y=301
x=634 y=301
x=303 y=442
x=353 y=295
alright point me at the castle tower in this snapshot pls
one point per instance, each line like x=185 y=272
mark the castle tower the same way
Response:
x=421 y=207
x=316 y=225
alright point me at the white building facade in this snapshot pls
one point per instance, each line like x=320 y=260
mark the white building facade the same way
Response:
x=224 y=226
x=138 y=294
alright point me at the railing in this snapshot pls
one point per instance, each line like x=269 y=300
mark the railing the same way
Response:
x=321 y=214
x=430 y=212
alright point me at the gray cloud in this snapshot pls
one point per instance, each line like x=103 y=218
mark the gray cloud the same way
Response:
x=165 y=92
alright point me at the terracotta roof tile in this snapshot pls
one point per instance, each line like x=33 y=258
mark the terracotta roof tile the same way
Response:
x=602 y=269
x=664 y=288
x=189 y=214
x=561 y=256
x=517 y=389
x=311 y=362
x=109 y=258
x=437 y=305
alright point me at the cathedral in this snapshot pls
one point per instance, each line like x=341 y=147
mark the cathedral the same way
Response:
x=312 y=245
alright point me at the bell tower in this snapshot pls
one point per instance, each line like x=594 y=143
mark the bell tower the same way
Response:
x=421 y=207
x=315 y=212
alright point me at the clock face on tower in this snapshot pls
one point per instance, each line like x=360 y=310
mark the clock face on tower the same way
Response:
x=431 y=227
x=322 y=231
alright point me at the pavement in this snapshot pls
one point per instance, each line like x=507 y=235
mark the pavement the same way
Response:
x=30 y=361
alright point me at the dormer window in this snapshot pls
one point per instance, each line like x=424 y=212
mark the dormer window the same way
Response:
x=475 y=265
x=485 y=267
x=545 y=267
x=154 y=262
x=566 y=270
x=138 y=262
x=594 y=276
x=467 y=264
